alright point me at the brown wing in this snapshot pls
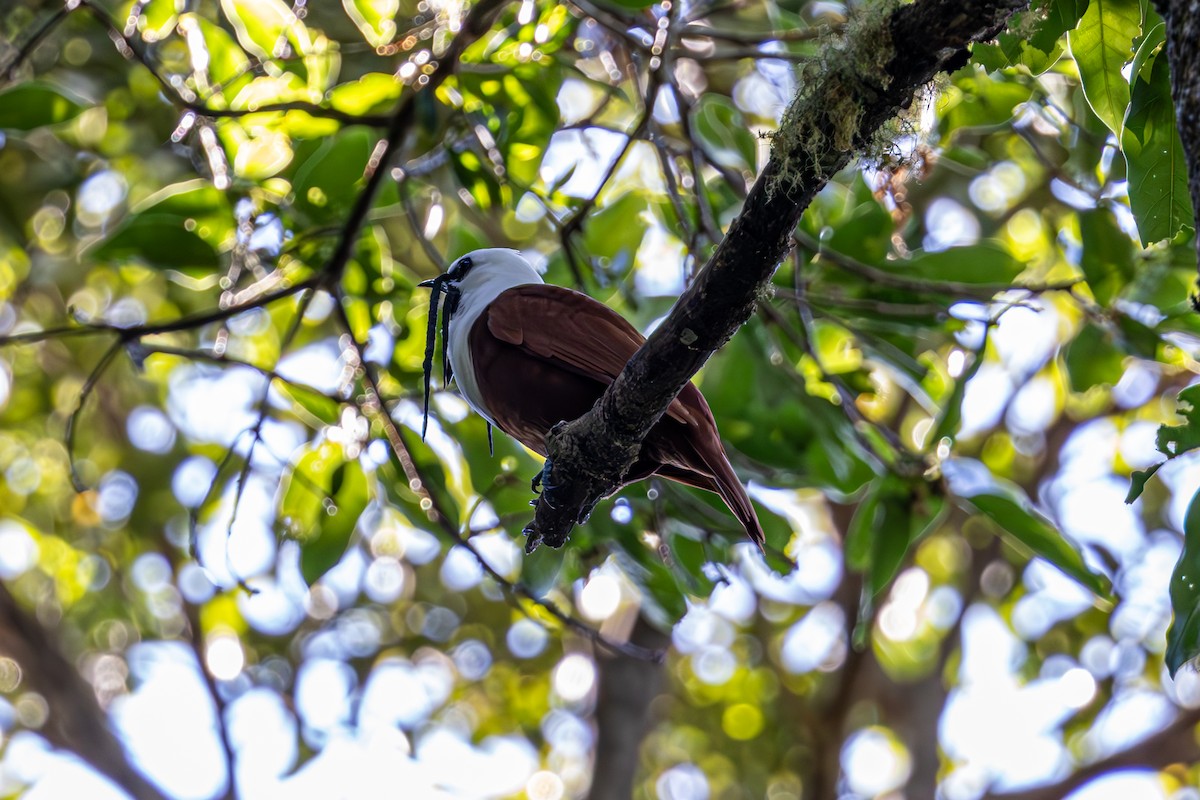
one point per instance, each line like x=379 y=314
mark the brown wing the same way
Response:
x=578 y=346
x=572 y=330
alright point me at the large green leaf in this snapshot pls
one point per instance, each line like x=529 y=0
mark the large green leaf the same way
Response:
x=1183 y=637
x=373 y=92
x=36 y=104
x=1006 y=505
x=1100 y=45
x=1157 y=165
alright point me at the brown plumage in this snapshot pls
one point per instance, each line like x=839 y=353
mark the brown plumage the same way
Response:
x=542 y=354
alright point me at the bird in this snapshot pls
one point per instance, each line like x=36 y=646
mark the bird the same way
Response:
x=527 y=354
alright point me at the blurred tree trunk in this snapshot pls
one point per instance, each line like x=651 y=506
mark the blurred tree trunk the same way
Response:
x=627 y=687
x=75 y=721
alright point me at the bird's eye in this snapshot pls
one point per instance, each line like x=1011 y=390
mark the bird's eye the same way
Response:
x=464 y=265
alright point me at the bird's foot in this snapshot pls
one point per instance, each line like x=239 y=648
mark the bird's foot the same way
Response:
x=542 y=486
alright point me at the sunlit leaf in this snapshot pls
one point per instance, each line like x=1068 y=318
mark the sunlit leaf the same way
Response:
x=373 y=92
x=216 y=56
x=343 y=506
x=1101 y=45
x=266 y=27
x=986 y=262
x=978 y=100
x=376 y=19
x=322 y=409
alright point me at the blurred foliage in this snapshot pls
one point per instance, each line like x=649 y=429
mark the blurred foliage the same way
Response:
x=198 y=335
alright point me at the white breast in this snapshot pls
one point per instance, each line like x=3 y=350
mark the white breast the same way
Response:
x=480 y=288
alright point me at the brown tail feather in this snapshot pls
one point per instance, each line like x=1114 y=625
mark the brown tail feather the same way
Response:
x=735 y=496
x=726 y=486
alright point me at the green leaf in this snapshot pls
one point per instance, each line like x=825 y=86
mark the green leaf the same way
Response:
x=266 y=27
x=986 y=262
x=1100 y=45
x=1093 y=359
x=1172 y=440
x=1183 y=637
x=1175 y=440
x=157 y=19
x=866 y=233
x=320 y=552
x=1107 y=256
x=373 y=92
x=321 y=499
x=628 y=5
x=1156 y=163
x=328 y=180
x=323 y=409
x=665 y=599
x=183 y=226
x=950 y=417
x=36 y=104
x=977 y=100
x=1138 y=481
x=1034 y=37
x=376 y=19
x=540 y=569
x=1006 y=505
x=226 y=59
x=721 y=127
x=616 y=230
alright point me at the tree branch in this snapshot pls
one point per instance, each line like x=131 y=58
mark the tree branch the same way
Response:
x=1183 y=32
x=868 y=79
x=76 y=722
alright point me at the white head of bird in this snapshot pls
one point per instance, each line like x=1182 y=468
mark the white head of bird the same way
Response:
x=527 y=355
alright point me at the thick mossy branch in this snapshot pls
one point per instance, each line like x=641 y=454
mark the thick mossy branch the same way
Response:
x=860 y=83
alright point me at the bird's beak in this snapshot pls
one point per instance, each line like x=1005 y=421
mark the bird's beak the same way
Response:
x=429 y=284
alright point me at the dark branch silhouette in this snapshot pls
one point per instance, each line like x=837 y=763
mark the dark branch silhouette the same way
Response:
x=836 y=114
